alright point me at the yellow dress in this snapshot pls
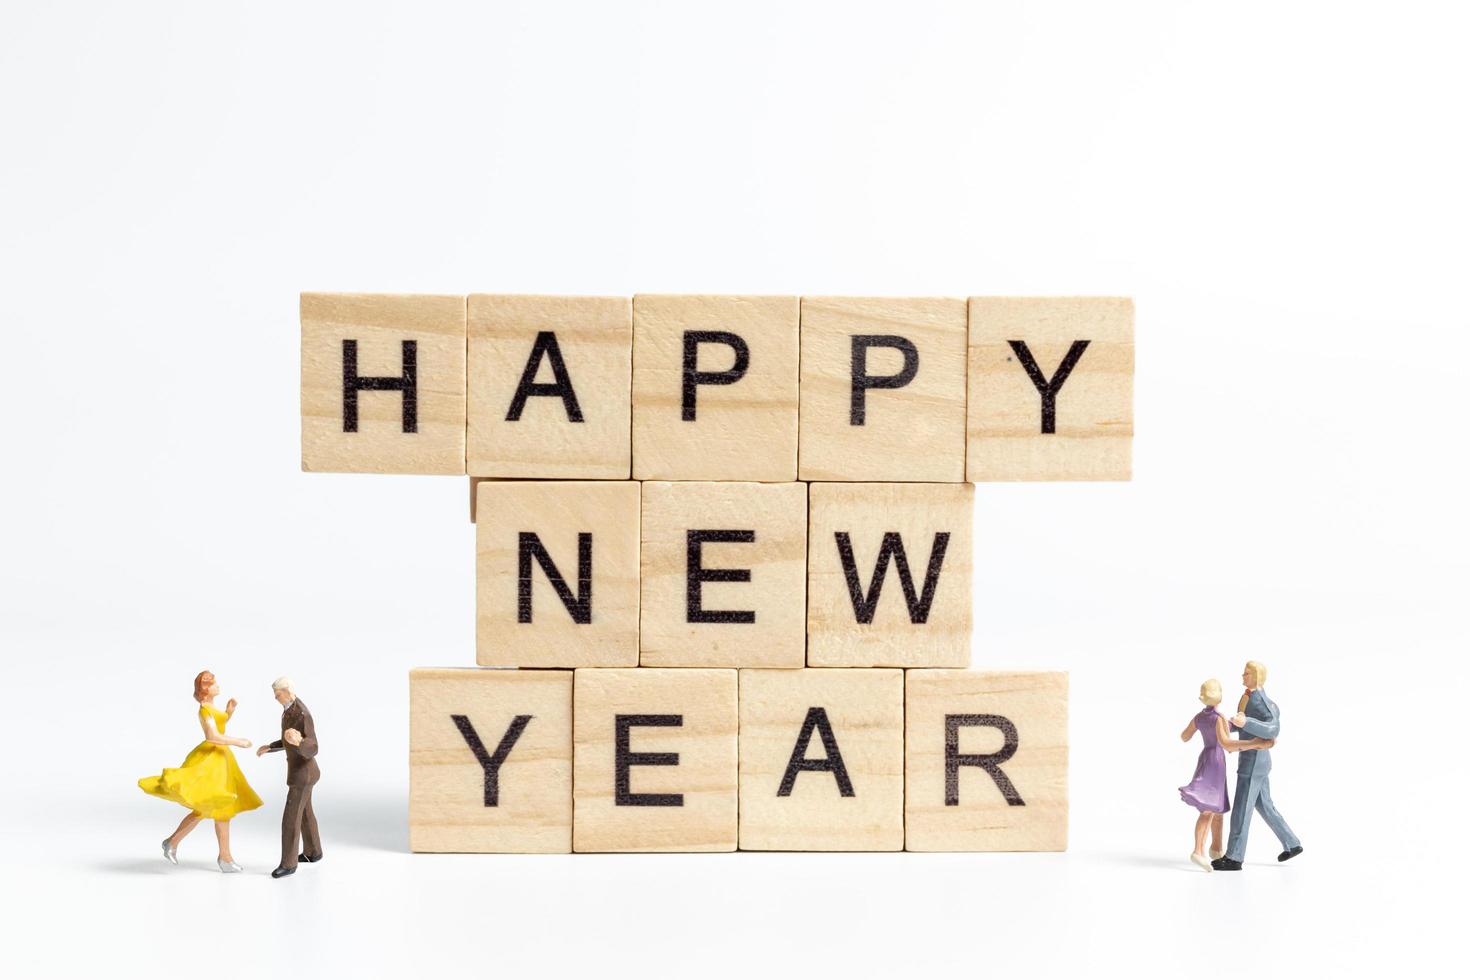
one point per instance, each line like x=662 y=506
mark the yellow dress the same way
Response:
x=209 y=782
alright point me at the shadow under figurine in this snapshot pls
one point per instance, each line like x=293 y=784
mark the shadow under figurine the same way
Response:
x=298 y=741
x=1206 y=791
x=1258 y=717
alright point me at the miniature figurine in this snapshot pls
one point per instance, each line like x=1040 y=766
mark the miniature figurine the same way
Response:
x=1206 y=791
x=298 y=740
x=1257 y=716
x=209 y=782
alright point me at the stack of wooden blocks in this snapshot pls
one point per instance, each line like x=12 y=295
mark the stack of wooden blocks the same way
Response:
x=690 y=515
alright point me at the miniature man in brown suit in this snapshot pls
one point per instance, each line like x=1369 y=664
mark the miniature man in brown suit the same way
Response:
x=298 y=741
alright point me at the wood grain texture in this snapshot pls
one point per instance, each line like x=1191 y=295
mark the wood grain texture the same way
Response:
x=910 y=433
x=557 y=513
x=774 y=595
x=594 y=337
x=447 y=806
x=744 y=430
x=704 y=778
x=902 y=631
x=377 y=326
x=1092 y=418
x=981 y=819
x=864 y=709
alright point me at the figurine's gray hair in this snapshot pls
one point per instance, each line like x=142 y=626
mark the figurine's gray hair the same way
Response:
x=281 y=684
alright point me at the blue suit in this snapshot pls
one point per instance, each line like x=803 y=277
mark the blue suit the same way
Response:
x=1253 y=779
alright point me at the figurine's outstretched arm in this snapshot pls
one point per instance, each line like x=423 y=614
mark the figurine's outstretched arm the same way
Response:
x=213 y=737
x=1229 y=744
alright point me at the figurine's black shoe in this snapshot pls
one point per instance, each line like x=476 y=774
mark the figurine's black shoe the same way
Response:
x=309 y=859
x=282 y=872
x=1287 y=855
x=1225 y=864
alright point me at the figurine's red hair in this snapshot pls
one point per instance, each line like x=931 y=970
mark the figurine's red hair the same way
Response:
x=201 y=685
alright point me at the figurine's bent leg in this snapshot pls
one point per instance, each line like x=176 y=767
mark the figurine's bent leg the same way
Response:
x=1246 y=788
x=291 y=824
x=187 y=824
x=1273 y=817
x=311 y=843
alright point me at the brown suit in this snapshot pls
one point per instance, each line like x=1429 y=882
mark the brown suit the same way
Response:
x=298 y=823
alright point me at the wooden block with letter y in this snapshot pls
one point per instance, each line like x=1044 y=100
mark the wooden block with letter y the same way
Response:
x=490 y=760
x=986 y=760
x=655 y=763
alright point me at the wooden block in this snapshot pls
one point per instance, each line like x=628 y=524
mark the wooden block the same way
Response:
x=724 y=575
x=655 y=760
x=556 y=574
x=550 y=387
x=1051 y=389
x=985 y=761
x=882 y=389
x=888 y=575
x=821 y=760
x=475 y=482
x=382 y=383
x=490 y=760
x=715 y=383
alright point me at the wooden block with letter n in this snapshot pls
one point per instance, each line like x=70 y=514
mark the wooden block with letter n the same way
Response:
x=863 y=537
x=550 y=387
x=655 y=763
x=724 y=575
x=821 y=760
x=382 y=383
x=986 y=761
x=1051 y=389
x=556 y=574
x=882 y=389
x=715 y=381
x=490 y=760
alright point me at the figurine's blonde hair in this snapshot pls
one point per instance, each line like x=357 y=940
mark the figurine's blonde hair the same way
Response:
x=1209 y=692
x=201 y=685
x=1257 y=670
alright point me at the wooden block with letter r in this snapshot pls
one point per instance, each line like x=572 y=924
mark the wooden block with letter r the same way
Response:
x=1051 y=388
x=556 y=574
x=382 y=383
x=655 y=763
x=882 y=389
x=490 y=760
x=821 y=760
x=888 y=575
x=986 y=760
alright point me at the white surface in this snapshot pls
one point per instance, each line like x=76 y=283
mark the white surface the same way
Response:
x=1282 y=188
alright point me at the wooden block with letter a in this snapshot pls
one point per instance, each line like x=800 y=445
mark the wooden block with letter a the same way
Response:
x=550 y=385
x=490 y=760
x=986 y=761
x=382 y=383
x=655 y=763
x=821 y=760
x=556 y=574
x=1051 y=389
x=888 y=575
x=882 y=389
x=715 y=382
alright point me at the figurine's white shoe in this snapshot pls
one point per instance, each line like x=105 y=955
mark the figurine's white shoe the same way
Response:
x=228 y=867
x=1216 y=855
x=170 y=853
x=1200 y=861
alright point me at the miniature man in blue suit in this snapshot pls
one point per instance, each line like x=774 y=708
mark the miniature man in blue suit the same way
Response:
x=1258 y=718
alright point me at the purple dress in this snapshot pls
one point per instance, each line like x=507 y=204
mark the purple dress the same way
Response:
x=1206 y=791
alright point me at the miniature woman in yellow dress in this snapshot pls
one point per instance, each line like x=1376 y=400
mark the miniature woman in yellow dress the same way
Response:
x=209 y=782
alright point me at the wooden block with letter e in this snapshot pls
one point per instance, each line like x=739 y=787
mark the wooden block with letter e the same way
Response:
x=715 y=381
x=882 y=389
x=821 y=760
x=888 y=575
x=382 y=383
x=556 y=574
x=986 y=761
x=655 y=763
x=724 y=575
x=549 y=387
x=1051 y=388
x=490 y=760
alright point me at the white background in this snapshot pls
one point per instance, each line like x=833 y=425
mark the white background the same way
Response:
x=1282 y=187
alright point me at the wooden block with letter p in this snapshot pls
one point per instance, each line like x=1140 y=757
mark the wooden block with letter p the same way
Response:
x=986 y=760
x=1051 y=389
x=882 y=389
x=490 y=760
x=556 y=574
x=382 y=383
x=888 y=575
x=724 y=575
x=655 y=763
x=821 y=760
x=715 y=381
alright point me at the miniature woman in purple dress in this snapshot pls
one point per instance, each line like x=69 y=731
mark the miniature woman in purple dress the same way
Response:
x=1206 y=791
